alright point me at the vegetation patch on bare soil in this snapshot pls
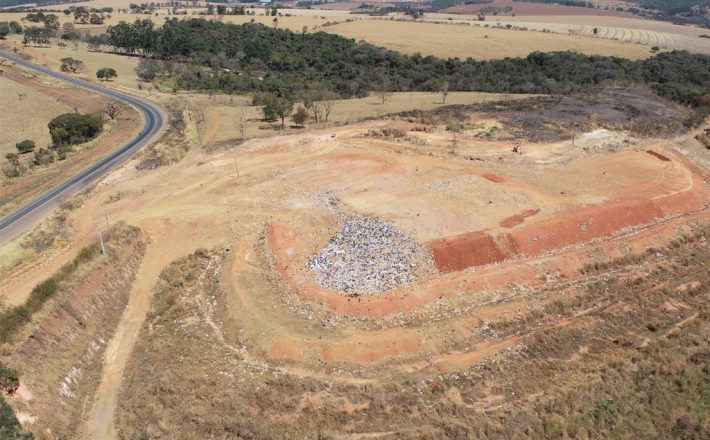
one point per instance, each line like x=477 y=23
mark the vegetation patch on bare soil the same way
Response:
x=72 y=315
x=604 y=357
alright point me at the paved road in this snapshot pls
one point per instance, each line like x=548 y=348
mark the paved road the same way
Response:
x=26 y=216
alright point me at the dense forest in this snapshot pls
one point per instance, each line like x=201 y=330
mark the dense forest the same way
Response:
x=207 y=55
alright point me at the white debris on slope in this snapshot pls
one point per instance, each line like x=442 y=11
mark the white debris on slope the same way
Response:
x=369 y=256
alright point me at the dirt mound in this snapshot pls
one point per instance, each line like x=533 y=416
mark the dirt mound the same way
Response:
x=369 y=256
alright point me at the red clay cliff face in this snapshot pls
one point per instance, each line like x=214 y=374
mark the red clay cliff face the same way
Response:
x=582 y=225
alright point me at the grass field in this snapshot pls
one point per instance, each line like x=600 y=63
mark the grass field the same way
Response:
x=15 y=122
x=628 y=29
x=437 y=36
x=344 y=111
x=51 y=56
x=482 y=43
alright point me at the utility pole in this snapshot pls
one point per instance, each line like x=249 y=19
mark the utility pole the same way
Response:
x=234 y=155
x=101 y=237
x=108 y=228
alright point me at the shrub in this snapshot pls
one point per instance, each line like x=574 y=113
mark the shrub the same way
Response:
x=73 y=128
x=11 y=320
x=43 y=157
x=9 y=379
x=26 y=146
x=106 y=73
x=71 y=65
x=10 y=427
x=41 y=293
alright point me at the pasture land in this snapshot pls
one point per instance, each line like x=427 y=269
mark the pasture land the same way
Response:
x=481 y=43
x=449 y=35
x=226 y=110
x=25 y=114
x=51 y=56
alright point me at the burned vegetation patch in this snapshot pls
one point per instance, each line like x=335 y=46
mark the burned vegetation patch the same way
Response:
x=556 y=118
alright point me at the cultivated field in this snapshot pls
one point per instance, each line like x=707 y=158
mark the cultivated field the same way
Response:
x=451 y=40
x=533 y=8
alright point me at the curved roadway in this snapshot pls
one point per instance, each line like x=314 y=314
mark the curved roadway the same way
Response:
x=27 y=215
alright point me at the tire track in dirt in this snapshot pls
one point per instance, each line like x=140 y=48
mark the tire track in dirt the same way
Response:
x=213 y=128
x=99 y=424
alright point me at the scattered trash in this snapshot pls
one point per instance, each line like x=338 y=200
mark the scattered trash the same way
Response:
x=369 y=256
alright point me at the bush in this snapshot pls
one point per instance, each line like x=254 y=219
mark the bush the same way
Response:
x=43 y=157
x=106 y=73
x=26 y=146
x=9 y=379
x=11 y=320
x=73 y=128
x=10 y=427
x=41 y=293
x=71 y=65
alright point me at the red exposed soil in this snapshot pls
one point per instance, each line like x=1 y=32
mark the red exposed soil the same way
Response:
x=658 y=155
x=526 y=8
x=286 y=246
x=493 y=178
x=568 y=228
x=472 y=249
x=375 y=348
x=518 y=218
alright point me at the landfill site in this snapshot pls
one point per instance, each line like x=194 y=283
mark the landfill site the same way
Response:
x=393 y=270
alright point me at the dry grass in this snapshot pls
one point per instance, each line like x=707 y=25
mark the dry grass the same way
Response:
x=448 y=40
x=59 y=354
x=344 y=111
x=427 y=37
x=608 y=374
x=50 y=56
x=26 y=118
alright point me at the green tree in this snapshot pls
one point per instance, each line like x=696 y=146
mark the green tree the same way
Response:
x=277 y=107
x=26 y=146
x=147 y=69
x=9 y=379
x=96 y=19
x=106 y=73
x=301 y=116
x=73 y=128
x=72 y=65
x=36 y=35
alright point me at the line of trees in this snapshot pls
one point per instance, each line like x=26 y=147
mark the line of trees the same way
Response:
x=197 y=54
